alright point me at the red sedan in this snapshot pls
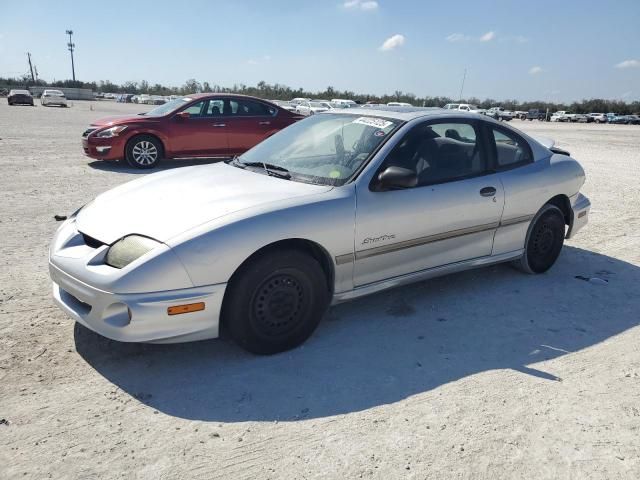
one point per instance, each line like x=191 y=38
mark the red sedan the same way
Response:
x=201 y=125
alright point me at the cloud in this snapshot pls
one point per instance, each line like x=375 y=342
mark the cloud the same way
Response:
x=535 y=70
x=264 y=59
x=458 y=37
x=366 y=5
x=487 y=37
x=392 y=42
x=629 y=64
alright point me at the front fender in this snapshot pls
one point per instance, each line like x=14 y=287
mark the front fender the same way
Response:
x=212 y=252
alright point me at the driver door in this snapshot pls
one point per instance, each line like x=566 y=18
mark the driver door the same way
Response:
x=450 y=216
x=203 y=133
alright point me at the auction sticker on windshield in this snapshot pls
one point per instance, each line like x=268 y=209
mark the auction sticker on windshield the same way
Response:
x=373 y=122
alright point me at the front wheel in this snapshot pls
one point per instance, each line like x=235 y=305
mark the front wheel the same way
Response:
x=143 y=151
x=544 y=241
x=275 y=302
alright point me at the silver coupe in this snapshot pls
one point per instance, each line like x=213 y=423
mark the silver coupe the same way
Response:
x=337 y=206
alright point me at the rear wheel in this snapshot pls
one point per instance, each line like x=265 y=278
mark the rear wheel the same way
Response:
x=143 y=151
x=275 y=302
x=544 y=241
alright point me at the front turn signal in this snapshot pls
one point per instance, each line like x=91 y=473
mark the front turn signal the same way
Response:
x=188 y=308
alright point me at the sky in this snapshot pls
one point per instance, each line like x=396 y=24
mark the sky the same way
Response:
x=546 y=50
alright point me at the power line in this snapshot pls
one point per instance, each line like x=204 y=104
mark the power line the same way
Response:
x=71 y=47
x=33 y=79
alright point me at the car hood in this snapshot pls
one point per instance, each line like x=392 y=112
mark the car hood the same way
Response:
x=166 y=204
x=119 y=120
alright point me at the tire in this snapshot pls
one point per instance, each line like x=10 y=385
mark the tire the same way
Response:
x=143 y=151
x=275 y=302
x=544 y=242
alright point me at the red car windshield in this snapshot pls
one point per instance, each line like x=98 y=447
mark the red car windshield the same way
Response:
x=168 y=107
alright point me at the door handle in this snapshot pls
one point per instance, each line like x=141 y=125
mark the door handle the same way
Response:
x=488 y=191
x=219 y=124
x=265 y=123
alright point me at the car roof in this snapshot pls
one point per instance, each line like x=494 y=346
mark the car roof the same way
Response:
x=409 y=113
x=214 y=94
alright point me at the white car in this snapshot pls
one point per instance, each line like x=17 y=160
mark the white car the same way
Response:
x=284 y=104
x=499 y=113
x=336 y=206
x=313 y=107
x=53 y=97
x=562 y=116
x=297 y=100
x=399 y=104
x=464 y=107
x=598 y=117
x=342 y=103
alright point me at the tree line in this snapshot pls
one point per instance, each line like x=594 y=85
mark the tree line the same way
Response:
x=283 y=92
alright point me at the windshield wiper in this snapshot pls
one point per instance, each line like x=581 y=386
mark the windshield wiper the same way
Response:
x=270 y=169
x=235 y=162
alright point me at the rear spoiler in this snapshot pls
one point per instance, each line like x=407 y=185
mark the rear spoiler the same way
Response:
x=550 y=144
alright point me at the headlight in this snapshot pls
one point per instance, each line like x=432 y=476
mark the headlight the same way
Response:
x=111 y=132
x=129 y=249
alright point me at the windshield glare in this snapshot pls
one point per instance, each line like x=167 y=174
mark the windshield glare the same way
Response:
x=167 y=107
x=325 y=149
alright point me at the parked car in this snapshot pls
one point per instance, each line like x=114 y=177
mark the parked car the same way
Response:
x=20 y=97
x=341 y=102
x=399 y=104
x=562 y=116
x=499 y=113
x=157 y=100
x=53 y=97
x=611 y=116
x=313 y=107
x=284 y=104
x=633 y=120
x=580 y=118
x=464 y=107
x=201 y=125
x=340 y=205
x=144 y=99
x=625 y=120
x=522 y=115
x=298 y=100
x=537 y=114
x=598 y=117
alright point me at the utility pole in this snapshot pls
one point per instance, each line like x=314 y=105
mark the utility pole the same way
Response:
x=33 y=79
x=36 y=70
x=462 y=86
x=71 y=46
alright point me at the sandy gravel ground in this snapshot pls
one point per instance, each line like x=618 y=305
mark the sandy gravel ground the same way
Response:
x=488 y=374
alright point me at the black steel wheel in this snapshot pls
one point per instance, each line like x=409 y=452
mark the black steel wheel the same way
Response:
x=275 y=301
x=544 y=240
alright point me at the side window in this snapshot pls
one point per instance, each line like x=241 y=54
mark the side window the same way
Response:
x=250 y=108
x=511 y=151
x=215 y=108
x=195 y=110
x=440 y=152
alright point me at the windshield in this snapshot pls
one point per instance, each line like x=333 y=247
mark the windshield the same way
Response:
x=167 y=107
x=324 y=149
x=318 y=104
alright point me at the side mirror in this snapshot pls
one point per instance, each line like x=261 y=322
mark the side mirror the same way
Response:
x=397 y=177
x=183 y=115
